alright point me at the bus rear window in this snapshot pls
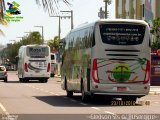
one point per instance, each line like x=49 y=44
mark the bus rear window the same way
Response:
x=122 y=34
x=37 y=52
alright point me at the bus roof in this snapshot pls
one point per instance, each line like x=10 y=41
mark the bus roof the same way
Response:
x=86 y=25
x=31 y=45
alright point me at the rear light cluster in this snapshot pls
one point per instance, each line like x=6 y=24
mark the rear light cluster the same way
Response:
x=147 y=74
x=26 y=67
x=95 y=71
x=48 y=67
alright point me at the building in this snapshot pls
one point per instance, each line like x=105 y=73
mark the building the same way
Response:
x=146 y=10
x=137 y=9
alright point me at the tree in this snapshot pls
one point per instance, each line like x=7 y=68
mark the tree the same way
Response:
x=156 y=32
x=54 y=44
x=11 y=51
x=2 y=8
x=51 y=5
x=2 y=22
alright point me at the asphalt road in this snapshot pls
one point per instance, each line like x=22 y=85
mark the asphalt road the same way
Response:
x=39 y=101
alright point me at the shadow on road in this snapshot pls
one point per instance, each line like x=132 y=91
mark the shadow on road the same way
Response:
x=13 y=82
x=63 y=101
x=10 y=81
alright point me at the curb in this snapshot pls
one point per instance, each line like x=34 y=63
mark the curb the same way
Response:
x=57 y=76
x=154 y=93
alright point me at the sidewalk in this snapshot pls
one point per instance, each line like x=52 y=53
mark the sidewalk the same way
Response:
x=57 y=76
x=154 y=90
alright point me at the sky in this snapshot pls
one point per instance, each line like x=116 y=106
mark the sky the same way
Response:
x=34 y=15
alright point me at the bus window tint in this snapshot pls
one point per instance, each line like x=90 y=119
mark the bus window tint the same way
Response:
x=122 y=34
x=37 y=51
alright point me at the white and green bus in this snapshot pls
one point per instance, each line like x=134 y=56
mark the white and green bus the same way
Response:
x=108 y=57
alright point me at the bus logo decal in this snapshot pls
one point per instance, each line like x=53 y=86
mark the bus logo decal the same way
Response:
x=121 y=73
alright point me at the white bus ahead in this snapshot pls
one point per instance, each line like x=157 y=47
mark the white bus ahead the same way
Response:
x=108 y=57
x=34 y=63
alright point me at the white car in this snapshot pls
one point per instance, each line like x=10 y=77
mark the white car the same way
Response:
x=3 y=74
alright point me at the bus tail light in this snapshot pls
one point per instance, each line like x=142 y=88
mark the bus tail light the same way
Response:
x=49 y=67
x=95 y=71
x=26 y=67
x=147 y=74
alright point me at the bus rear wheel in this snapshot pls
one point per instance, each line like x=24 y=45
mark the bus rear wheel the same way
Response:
x=69 y=93
x=20 y=80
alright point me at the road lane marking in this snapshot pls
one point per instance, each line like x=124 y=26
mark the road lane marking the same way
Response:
x=33 y=87
x=156 y=102
x=52 y=93
x=73 y=100
x=41 y=89
x=109 y=112
x=83 y=104
x=46 y=91
x=65 y=97
x=4 y=109
x=57 y=94
x=95 y=108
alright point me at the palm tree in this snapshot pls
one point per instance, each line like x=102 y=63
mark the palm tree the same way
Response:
x=2 y=8
x=51 y=5
x=2 y=21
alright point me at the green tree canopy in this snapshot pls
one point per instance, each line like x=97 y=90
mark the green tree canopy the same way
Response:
x=54 y=44
x=11 y=51
x=156 y=32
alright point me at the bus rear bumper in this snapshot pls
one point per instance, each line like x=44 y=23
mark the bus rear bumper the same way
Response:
x=118 y=95
x=35 y=78
x=120 y=89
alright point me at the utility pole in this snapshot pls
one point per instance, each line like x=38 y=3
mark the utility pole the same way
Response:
x=105 y=8
x=59 y=33
x=72 y=19
x=59 y=28
x=107 y=2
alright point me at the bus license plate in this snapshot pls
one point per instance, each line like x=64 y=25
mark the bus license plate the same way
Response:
x=121 y=88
